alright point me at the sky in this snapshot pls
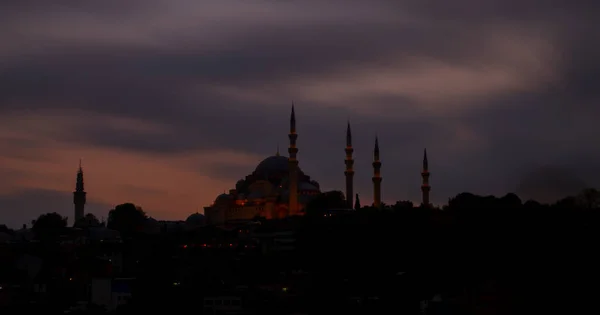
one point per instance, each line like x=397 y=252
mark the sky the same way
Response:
x=169 y=103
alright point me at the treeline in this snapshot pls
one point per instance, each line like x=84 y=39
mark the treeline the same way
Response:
x=470 y=230
x=126 y=218
x=470 y=224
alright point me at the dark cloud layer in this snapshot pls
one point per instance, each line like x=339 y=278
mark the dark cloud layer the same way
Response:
x=202 y=83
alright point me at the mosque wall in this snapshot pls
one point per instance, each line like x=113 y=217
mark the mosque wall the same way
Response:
x=244 y=212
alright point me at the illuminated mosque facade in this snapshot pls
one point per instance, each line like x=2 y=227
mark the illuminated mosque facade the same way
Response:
x=278 y=188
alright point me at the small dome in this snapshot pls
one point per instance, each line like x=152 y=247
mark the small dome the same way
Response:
x=272 y=164
x=195 y=218
x=223 y=197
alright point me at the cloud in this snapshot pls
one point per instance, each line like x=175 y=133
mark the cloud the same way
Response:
x=170 y=102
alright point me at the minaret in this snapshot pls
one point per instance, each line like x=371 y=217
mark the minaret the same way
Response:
x=376 y=176
x=293 y=166
x=349 y=168
x=79 y=195
x=425 y=188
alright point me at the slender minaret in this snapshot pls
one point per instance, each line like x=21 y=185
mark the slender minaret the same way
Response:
x=349 y=168
x=293 y=166
x=376 y=176
x=425 y=188
x=79 y=195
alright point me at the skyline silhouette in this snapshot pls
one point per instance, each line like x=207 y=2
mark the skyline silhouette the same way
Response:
x=177 y=102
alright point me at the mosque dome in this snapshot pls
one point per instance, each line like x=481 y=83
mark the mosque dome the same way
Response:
x=195 y=218
x=273 y=164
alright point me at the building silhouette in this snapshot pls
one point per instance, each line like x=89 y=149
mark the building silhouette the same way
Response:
x=376 y=175
x=278 y=187
x=425 y=188
x=79 y=195
x=349 y=172
x=293 y=208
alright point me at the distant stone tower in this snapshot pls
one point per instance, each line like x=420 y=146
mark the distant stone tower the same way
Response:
x=376 y=176
x=349 y=168
x=293 y=166
x=425 y=188
x=79 y=195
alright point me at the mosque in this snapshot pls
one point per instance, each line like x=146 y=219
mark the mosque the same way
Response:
x=278 y=188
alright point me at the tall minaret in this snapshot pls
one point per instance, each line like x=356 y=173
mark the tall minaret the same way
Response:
x=293 y=166
x=425 y=188
x=79 y=195
x=376 y=176
x=349 y=169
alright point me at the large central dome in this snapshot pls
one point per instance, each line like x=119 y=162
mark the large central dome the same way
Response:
x=273 y=164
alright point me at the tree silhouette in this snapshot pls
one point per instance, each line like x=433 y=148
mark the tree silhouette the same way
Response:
x=532 y=204
x=49 y=225
x=589 y=199
x=127 y=218
x=567 y=203
x=511 y=200
x=88 y=221
x=357 y=203
x=5 y=229
x=325 y=201
x=402 y=205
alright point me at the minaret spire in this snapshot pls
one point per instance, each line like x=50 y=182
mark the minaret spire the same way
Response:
x=79 y=195
x=349 y=168
x=293 y=120
x=376 y=175
x=425 y=188
x=293 y=166
x=277 y=154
